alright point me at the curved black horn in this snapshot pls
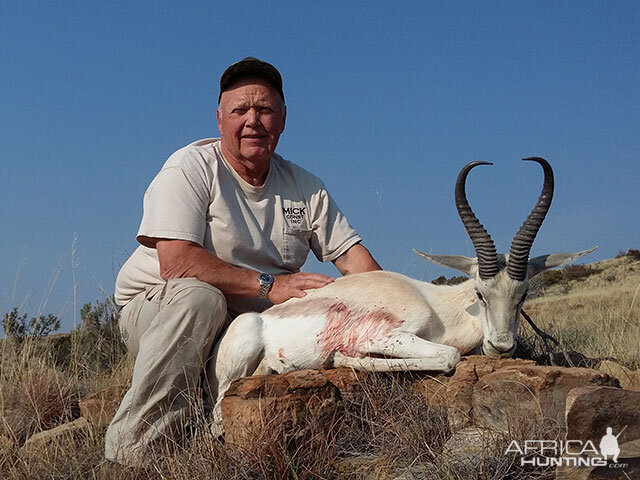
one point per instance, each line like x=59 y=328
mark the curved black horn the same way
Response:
x=485 y=248
x=522 y=242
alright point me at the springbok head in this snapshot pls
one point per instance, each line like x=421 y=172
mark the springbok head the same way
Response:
x=502 y=281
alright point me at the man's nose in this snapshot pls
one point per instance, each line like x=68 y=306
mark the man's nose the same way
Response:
x=252 y=117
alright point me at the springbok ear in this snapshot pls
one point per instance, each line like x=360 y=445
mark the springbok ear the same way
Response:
x=545 y=262
x=457 y=262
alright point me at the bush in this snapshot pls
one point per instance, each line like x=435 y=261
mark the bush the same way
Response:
x=634 y=254
x=16 y=326
x=577 y=272
x=442 y=280
x=631 y=253
x=98 y=340
x=546 y=279
x=570 y=273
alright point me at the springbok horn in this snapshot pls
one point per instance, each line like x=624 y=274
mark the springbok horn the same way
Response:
x=522 y=242
x=484 y=246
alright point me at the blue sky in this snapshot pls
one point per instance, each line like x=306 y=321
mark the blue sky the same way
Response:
x=386 y=102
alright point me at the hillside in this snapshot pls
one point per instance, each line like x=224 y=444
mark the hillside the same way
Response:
x=597 y=312
x=593 y=309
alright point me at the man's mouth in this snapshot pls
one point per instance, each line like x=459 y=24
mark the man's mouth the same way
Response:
x=254 y=137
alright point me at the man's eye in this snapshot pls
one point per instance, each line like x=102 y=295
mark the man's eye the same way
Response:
x=239 y=111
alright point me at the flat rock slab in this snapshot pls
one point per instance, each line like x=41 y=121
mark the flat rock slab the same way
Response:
x=521 y=398
x=629 y=470
x=288 y=408
x=629 y=379
x=58 y=437
x=460 y=387
x=591 y=410
x=433 y=390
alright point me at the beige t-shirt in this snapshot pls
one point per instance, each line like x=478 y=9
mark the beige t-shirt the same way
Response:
x=198 y=196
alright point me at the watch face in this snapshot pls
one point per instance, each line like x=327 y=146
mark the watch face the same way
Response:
x=265 y=280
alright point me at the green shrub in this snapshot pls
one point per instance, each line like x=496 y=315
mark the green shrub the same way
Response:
x=563 y=277
x=578 y=272
x=17 y=327
x=547 y=279
x=633 y=254
x=442 y=280
x=97 y=340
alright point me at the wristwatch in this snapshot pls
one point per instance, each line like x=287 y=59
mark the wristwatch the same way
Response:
x=266 y=281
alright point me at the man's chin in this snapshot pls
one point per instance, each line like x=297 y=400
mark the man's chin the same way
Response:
x=256 y=154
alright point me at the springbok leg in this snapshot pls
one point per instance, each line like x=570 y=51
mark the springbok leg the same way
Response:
x=414 y=353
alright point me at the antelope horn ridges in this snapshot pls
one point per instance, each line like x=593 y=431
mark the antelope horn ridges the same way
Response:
x=482 y=242
x=522 y=242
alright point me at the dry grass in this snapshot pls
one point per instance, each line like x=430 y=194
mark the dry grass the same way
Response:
x=598 y=316
x=387 y=430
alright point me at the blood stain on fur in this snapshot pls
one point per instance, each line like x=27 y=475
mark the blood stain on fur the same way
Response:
x=347 y=331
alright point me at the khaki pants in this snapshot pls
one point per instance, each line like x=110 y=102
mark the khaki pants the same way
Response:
x=170 y=330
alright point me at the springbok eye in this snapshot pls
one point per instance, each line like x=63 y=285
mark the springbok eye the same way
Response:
x=480 y=297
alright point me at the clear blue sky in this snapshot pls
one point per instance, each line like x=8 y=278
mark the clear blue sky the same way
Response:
x=386 y=102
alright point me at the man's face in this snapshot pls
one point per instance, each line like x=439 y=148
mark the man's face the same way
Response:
x=251 y=117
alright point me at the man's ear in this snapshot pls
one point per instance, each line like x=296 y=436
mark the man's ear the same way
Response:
x=284 y=117
x=218 y=119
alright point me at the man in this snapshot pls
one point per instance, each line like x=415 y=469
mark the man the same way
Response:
x=227 y=224
x=609 y=445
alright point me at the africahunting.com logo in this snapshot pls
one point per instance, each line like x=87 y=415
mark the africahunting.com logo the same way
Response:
x=571 y=453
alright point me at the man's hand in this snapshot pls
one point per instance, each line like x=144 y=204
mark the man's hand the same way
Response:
x=294 y=285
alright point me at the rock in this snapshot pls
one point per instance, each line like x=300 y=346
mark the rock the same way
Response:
x=519 y=399
x=473 y=441
x=365 y=465
x=421 y=471
x=290 y=409
x=433 y=390
x=629 y=379
x=466 y=452
x=371 y=466
x=100 y=407
x=572 y=358
x=460 y=386
x=630 y=469
x=56 y=438
x=590 y=410
x=350 y=382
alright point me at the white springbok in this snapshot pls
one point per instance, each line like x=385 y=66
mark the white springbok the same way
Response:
x=385 y=321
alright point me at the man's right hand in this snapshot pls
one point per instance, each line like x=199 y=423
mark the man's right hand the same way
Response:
x=294 y=285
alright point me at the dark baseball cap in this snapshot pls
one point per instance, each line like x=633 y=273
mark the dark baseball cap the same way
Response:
x=251 y=67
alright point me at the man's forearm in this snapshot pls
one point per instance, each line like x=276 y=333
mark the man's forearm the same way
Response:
x=180 y=258
x=356 y=260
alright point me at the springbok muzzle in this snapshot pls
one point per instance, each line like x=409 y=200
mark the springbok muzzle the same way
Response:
x=499 y=346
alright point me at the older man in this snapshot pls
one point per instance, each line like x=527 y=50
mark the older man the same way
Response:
x=227 y=224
